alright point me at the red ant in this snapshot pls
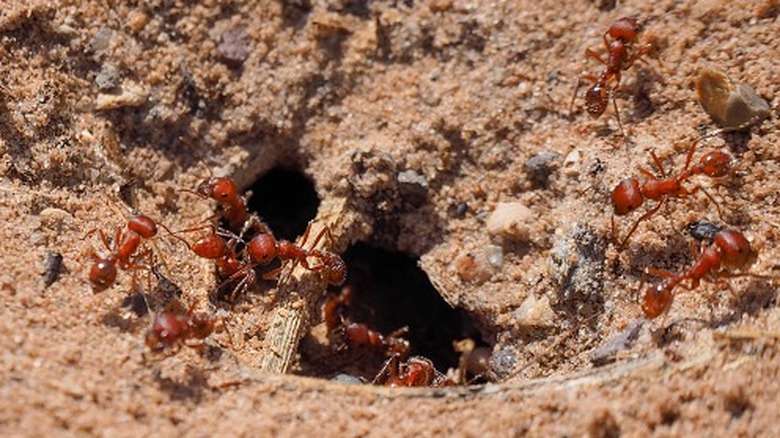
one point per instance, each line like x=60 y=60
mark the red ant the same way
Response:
x=102 y=275
x=416 y=371
x=174 y=326
x=214 y=247
x=629 y=195
x=229 y=267
x=621 y=56
x=354 y=336
x=730 y=249
x=264 y=247
x=350 y=335
x=335 y=306
x=234 y=211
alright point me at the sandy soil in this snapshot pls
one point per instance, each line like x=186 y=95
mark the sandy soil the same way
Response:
x=415 y=122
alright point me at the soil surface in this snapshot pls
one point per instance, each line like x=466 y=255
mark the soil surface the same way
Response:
x=436 y=143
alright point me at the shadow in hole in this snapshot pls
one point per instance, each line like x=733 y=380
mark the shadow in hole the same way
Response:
x=286 y=200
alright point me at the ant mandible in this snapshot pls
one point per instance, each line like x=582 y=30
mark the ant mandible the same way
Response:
x=621 y=56
x=629 y=194
x=730 y=249
x=122 y=254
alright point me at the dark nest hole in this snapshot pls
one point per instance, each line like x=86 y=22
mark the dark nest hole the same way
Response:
x=286 y=200
x=390 y=291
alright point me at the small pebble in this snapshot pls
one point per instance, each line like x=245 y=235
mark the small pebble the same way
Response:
x=108 y=78
x=511 y=220
x=535 y=313
x=233 y=48
x=52 y=268
x=495 y=256
x=413 y=187
x=731 y=103
x=572 y=164
x=348 y=379
x=100 y=42
x=539 y=167
x=466 y=267
x=131 y=96
x=137 y=20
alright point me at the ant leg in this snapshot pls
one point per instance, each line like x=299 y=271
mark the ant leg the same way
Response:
x=658 y=164
x=646 y=172
x=614 y=231
x=325 y=232
x=637 y=56
x=134 y=266
x=690 y=154
x=389 y=371
x=595 y=55
x=660 y=273
x=248 y=279
x=617 y=112
x=274 y=274
x=717 y=205
x=641 y=218
x=230 y=335
x=175 y=234
x=590 y=78
x=104 y=238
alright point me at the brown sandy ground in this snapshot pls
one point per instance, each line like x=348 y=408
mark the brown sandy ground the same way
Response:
x=414 y=120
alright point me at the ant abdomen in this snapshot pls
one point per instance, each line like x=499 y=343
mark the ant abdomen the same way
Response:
x=102 y=275
x=715 y=164
x=143 y=225
x=596 y=99
x=734 y=248
x=627 y=196
x=657 y=300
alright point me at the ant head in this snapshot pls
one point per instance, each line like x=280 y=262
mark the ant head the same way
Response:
x=626 y=29
x=735 y=249
x=596 y=99
x=627 y=197
x=657 y=300
x=336 y=271
x=143 y=225
x=102 y=275
x=262 y=248
x=716 y=164
x=220 y=189
x=419 y=371
x=223 y=190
